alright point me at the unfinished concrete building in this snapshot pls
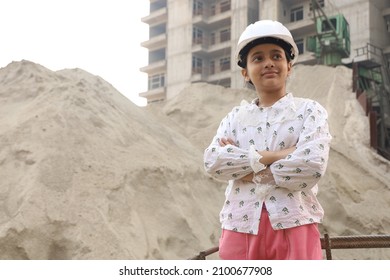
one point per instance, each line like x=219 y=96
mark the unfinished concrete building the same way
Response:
x=194 y=40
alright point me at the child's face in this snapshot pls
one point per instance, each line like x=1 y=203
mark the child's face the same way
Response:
x=267 y=67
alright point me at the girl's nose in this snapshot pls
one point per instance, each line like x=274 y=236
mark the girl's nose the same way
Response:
x=269 y=63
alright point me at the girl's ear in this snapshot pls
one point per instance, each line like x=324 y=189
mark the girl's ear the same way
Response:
x=244 y=73
x=289 y=68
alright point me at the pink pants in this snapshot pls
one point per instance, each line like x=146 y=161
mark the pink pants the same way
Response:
x=298 y=243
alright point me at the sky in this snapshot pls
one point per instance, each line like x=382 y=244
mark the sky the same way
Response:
x=102 y=37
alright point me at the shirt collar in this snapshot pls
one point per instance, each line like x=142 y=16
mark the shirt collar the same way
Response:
x=286 y=100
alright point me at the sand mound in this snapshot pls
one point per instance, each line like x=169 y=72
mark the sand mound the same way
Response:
x=86 y=174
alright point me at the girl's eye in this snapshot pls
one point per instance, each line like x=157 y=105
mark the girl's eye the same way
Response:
x=257 y=58
x=277 y=56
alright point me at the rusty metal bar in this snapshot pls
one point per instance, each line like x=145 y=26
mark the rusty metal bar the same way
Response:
x=202 y=255
x=356 y=242
x=329 y=243
x=325 y=244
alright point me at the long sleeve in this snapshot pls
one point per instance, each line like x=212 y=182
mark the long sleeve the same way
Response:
x=228 y=162
x=307 y=164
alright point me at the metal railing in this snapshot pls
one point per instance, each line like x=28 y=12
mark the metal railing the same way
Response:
x=329 y=243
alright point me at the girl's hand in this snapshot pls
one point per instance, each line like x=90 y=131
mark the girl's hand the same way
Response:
x=265 y=175
x=248 y=178
x=269 y=157
x=226 y=141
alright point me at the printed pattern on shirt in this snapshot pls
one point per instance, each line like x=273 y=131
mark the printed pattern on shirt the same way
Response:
x=291 y=197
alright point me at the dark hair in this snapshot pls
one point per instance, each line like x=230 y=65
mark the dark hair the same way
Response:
x=265 y=40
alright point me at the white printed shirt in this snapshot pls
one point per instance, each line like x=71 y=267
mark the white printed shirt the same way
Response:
x=290 y=197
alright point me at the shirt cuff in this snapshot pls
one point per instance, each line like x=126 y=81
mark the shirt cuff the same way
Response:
x=254 y=160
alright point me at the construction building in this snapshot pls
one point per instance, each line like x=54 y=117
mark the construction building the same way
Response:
x=195 y=41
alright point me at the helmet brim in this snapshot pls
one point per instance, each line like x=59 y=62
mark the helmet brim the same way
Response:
x=287 y=47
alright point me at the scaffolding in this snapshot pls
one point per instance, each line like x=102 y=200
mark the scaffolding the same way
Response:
x=371 y=78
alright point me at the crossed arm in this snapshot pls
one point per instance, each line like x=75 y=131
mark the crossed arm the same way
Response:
x=268 y=157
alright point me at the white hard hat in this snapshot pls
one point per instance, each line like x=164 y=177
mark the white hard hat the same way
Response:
x=272 y=32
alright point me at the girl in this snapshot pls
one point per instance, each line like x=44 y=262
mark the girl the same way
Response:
x=272 y=152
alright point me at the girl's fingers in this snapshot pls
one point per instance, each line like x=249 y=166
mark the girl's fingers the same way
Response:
x=231 y=142
x=226 y=141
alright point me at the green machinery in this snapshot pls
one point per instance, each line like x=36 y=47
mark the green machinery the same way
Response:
x=371 y=70
x=331 y=44
x=332 y=41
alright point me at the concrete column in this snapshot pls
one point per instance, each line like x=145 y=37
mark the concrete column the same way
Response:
x=243 y=11
x=178 y=52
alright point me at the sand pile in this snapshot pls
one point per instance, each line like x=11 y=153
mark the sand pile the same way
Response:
x=86 y=174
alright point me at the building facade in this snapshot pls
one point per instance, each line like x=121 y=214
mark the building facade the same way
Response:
x=194 y=40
